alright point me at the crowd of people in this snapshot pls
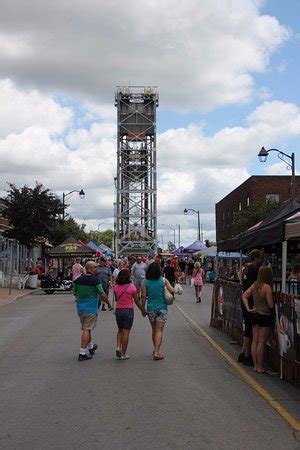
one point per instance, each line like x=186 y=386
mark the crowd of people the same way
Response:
x=142 y=281
x=136 y=282
x=139 y=281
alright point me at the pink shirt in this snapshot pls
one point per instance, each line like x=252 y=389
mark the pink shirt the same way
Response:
x=126 y=300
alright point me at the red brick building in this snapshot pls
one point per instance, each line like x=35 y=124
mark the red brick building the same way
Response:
x=257 y=189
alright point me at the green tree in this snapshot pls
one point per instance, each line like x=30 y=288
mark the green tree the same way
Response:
x=63 y=229
x=102 y=237
x=255 y=213
x=171 y=246
x=31 y=213
x=209 y=243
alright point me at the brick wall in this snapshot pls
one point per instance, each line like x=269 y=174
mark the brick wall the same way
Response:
x=253 y=190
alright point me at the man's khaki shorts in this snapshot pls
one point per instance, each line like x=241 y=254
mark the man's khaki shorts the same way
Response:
x=88 y=321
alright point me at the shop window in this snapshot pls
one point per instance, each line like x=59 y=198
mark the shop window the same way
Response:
x=272 y=198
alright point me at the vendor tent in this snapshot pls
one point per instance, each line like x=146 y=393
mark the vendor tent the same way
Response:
x=267 y=232
x=70 y=249
x=292 y=227
x=92 y=247
x=196 y=246
x=179 y=252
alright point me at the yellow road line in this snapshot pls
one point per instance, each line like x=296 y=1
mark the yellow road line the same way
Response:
x=294 y=423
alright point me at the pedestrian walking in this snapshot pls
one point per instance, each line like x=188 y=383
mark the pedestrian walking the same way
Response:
x=138 y=273
x=157 y=309
x=261 y=311
x=169 y=272
x=87 y=291
x=104 y=275
x=126 y=295
x=77 y=269
x=182 y=265
x=198 y=275
x=189 y=270
x=249 y=276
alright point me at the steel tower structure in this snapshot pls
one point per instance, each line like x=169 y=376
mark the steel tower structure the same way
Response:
x=136 y=181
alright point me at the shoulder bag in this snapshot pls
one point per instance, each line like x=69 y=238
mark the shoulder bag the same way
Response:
x=169 y=298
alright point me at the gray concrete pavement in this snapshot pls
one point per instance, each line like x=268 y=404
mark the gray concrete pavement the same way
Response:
x=192 y=399
x=281 y=391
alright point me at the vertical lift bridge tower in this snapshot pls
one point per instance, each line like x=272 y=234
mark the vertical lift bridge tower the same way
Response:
x=136 y=181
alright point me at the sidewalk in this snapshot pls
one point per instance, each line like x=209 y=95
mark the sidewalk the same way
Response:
x=287 y=394
x=5 y=298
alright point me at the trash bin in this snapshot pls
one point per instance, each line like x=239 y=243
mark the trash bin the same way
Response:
x=32 y=281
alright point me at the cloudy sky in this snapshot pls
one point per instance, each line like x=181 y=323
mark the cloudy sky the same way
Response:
x=228 y=77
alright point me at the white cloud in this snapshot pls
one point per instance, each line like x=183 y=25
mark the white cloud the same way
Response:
x=279 y=168
x=14 y=46
x=201 y=55
x=195 y=169
x=229 y=147
x=20 y=109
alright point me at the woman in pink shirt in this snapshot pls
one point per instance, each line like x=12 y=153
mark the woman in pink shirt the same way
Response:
x=198 y=275
x=126 y=296
x=77 y=269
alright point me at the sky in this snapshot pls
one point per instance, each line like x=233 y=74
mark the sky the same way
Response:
x=227 y=73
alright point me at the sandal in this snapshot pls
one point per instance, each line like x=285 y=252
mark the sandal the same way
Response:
x=157 y=358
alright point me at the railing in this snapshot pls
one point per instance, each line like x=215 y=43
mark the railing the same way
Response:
x=13 y=257
x=283 y=345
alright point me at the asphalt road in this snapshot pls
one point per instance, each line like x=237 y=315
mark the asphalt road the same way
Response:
x=191 y=400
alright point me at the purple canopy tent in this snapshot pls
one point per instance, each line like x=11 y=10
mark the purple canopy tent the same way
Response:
x=179 y=252
x=196 y=246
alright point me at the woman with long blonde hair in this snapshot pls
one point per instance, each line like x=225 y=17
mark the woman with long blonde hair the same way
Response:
x=198 y=275
x=262 y=320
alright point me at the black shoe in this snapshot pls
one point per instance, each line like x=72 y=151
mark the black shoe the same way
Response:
x=103 y=308
x=241 y=357
x=84 y=357
x=92 y=350
x=248 y=361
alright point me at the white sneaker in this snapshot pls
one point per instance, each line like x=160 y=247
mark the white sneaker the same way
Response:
x=125 y=357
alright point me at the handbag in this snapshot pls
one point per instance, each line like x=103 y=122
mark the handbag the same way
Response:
x=178 y=289
x=169 y=298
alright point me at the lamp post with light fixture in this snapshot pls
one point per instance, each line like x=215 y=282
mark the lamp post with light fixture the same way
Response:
x=263 y=155
x=199 y=226
x=81 y=195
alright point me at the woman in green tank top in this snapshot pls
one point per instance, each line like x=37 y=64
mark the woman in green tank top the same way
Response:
x=157 y=309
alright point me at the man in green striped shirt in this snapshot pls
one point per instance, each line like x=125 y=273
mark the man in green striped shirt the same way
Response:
x=87 y=291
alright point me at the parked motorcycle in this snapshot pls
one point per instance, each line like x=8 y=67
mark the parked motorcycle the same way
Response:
x=51 y=285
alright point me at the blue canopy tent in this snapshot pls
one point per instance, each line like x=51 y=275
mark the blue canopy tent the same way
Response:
x=105 y=251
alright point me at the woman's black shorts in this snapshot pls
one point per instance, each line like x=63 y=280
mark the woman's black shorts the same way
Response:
x=124 y=318
x=262 y=320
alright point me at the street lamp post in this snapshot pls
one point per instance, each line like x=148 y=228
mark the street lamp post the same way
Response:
x=179 y=235
x=263 y=155
x=174 y=231
x=199 y=226
x=81 y=195
x=98 y=228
